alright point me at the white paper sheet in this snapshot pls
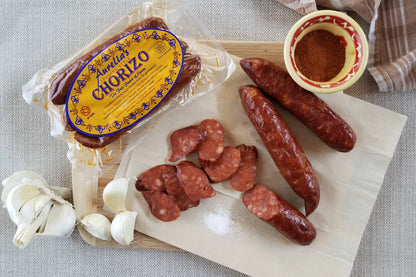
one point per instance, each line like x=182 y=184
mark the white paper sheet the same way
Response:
x=222 y=230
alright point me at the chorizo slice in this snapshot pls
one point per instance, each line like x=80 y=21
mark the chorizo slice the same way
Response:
x=282 y=146
x=176 y=192
x=194 y=181
x=155 y=178
x=185 y=141
x=213 y=144
x=303 y=104
x=161 y=205
x=245 y=176
x=225 y=166
x=268 y=206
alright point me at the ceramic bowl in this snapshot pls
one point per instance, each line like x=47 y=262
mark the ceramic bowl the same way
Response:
x=350 y=34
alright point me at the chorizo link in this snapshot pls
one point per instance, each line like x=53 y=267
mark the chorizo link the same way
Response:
x=305 y=105
x=271 y=208
x=282 y=146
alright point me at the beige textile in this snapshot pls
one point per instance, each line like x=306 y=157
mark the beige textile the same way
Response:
x=392 y=37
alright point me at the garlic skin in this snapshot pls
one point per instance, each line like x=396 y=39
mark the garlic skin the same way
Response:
x=97 y=225
x=26 y=232
x=122 y=227
x=17 y=197
x=61 y=221
x=19 y=178
x=115 y=194
x=32 y=208
x=36 y=208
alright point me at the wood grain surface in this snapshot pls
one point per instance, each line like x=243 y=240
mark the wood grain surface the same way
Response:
x=272 y=51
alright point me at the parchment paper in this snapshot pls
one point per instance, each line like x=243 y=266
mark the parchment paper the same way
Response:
x=222 y=230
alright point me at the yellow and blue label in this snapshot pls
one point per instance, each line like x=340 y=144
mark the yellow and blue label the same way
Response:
x=125 y=82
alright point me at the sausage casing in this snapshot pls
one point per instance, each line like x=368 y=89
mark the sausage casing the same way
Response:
x=283 y=147
x=305 y=105
x=276 y=211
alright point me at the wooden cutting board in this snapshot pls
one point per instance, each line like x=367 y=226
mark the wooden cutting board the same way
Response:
x=269 y=50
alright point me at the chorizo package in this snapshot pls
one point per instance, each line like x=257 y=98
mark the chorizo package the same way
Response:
x=100 y=100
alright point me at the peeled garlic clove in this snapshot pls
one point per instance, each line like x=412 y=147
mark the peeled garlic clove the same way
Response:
x=61 y=221
x=32 y=208
x=19 y=178
x=18 y=196
x=115 y=193
x=97 y=225
x=25 y=233
x=122 y=227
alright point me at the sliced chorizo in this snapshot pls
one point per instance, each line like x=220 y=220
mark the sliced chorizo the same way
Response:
x=213 y=144
x=225 y=166
x=245 y=176
x=176 y=192
x=185 y=141
x=268 y=206
x=303 y=104
x=161 y=205
x=282 y=146
x=194 y=181
x=155 y=177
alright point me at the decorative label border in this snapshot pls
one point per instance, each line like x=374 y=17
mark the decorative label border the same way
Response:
x=140 y=112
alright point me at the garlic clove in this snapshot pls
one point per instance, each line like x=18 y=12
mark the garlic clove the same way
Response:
x=61 y=221
x=97 y=225
x=18 y=178
x=32 y=208
x=122 y=227
x=25 y=233
x=18 y=196
x=115 y=193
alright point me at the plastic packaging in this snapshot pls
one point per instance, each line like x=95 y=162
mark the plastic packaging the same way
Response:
x=216 y=67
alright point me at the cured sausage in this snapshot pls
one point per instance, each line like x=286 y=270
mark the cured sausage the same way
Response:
x=185 y=141
x=176 y=192
x=305 y=105
x=282 y=146
x=62 y=82
x=245 y=176
x=225 y=166
x=276 y=211
x=161 y=205
x=97 y=142
x=155 y=178
x=213 y=144
x=194 y=181
x=191 y=67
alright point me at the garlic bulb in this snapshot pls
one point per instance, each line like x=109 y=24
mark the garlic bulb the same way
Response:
x=35 y=207
x=19 y=178
x=32 y=208
x=122 y=227
x=115 y=193
x=17 y=197
x=61 y=221
x=26 y=232
x=97 y=225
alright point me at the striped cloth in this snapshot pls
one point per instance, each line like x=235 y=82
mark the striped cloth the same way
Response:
x=391 y=38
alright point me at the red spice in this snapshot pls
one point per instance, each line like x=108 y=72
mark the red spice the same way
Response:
x=320 y=55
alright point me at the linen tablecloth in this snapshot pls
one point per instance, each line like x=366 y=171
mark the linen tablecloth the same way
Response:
x=38 y=34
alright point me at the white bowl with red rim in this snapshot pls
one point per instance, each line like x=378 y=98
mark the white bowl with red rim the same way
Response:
x=352 y=37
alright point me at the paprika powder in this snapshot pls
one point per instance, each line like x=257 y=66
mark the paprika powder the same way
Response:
x=320 y=55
